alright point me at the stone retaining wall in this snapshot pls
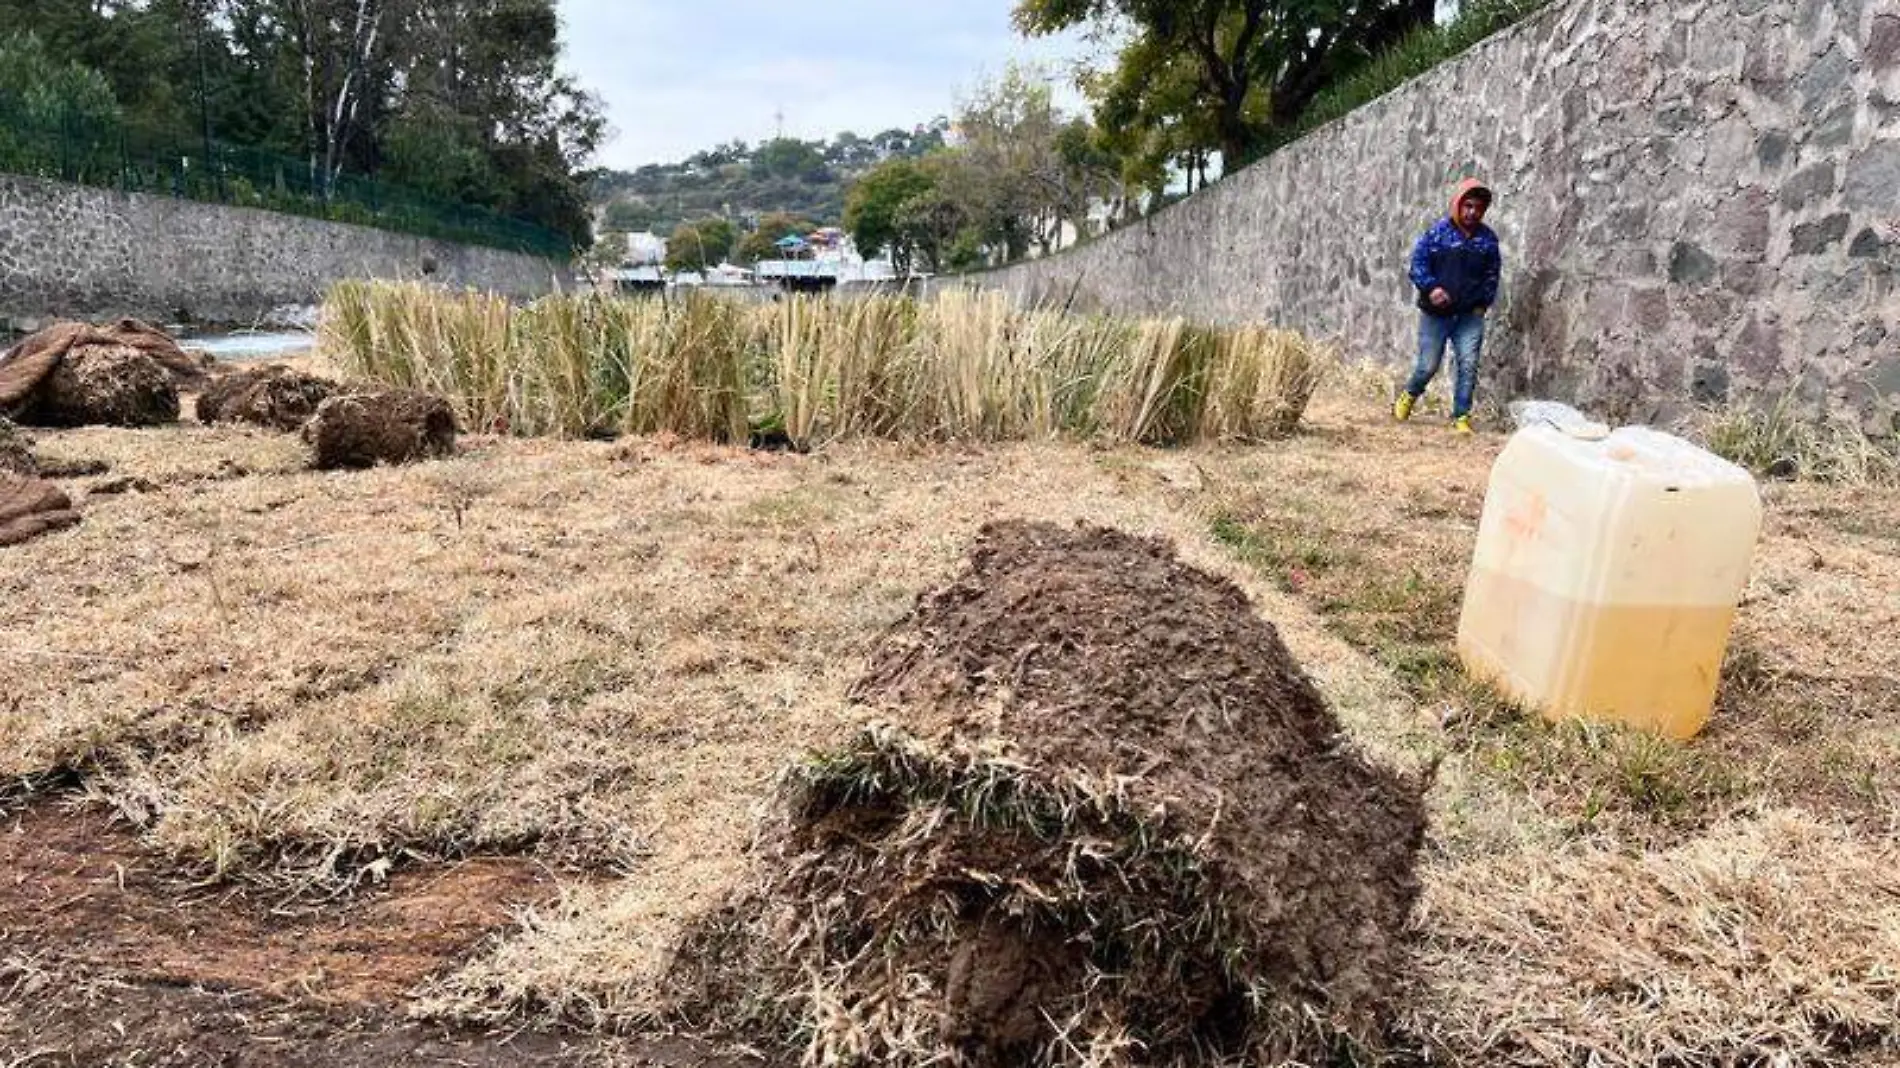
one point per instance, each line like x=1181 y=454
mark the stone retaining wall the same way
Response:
x=73 y=251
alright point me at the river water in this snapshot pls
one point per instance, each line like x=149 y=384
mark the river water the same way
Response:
x=250 y=346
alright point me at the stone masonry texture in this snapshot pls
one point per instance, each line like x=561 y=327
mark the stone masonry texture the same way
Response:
x=1699 y=202
x=75 y=252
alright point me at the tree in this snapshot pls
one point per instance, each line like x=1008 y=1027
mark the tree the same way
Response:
x=459 y=100
x=489 y=69
x=850 y=152
x=874 y=212
x=339 y=48
x=762 y=242
x=1249 y=66
x=39 y=89
x=698 y=245
x=1024 y=170
x=789 y=158
x=51 y=110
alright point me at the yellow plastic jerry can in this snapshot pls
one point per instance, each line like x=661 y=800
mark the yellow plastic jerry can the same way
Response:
x=1606 y=576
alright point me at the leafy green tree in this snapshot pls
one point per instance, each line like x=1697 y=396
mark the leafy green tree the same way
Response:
x=936 y=230
x=762 y=242
x=489 y=67
x=850 y=152
x=874 y=210
x=698 y=245
x=39 y=89
x=55 y=115
x=1253 y=65
x=789 y=158
x=459 y=99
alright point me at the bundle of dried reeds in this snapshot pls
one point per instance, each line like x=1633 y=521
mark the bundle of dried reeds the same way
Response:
x=966 y=366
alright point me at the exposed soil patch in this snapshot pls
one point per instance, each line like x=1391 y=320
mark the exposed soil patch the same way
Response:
x=274 y=396
x=107 y=960
x=388 y=426
x=73 y=1018
x=84 y=892
x=1139 y=824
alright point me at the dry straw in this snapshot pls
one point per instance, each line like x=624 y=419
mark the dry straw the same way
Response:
x=1775 y=939
x=965 y=366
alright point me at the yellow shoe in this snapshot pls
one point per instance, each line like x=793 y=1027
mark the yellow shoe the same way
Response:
x=1402 y=408
x=1461 y=425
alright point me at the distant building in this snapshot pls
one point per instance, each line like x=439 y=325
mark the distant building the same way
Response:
x=727 y=274
x=631 y=280
x=645 y=247
x=798 y=276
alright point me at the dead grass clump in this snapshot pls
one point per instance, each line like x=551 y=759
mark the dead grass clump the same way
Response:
x=1137 y=836
x=16 y=451
x=365 y=428
x=275 y=396
x=1772 y=939
x=422 y=767
x=110 y=385
x=1781 y=442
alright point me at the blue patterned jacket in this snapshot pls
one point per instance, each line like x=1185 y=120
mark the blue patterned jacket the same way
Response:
x=1464 y=265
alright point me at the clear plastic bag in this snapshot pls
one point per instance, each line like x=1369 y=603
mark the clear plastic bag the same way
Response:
x=1556 y=414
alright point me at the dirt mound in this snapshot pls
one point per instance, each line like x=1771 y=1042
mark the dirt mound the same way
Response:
x=30 y=507
x=385 y=426
x=1138 y=835
x=110 y=385
x=120 y=385
x=274 y=396
x=16 y=451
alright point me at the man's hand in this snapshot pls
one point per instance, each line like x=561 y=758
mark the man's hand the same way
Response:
x=1438 y=297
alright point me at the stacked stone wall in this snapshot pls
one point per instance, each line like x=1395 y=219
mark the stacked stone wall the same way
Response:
x=73 y=251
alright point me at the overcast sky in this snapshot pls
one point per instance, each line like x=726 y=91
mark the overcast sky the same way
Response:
x=681 y=75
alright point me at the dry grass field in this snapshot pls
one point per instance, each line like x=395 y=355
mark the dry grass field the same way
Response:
x=432 y=764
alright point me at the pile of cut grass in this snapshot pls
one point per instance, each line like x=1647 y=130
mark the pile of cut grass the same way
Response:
x=965 y=366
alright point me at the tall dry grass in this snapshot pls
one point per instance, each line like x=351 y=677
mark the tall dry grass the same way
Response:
x=1785 y=442
x=966 y=366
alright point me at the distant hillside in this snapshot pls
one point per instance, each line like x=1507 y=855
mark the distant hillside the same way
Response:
x=743 y=183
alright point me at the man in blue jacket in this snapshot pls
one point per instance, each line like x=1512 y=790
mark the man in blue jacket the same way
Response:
x=1455 y=267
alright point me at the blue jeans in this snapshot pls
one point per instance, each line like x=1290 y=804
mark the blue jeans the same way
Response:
x=1466 y=334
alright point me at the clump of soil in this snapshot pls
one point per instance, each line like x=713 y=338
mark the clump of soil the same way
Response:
x=30 y=507
x=111 y=385
x=16 y=451
x=1137 y=835
x=386 y=426
x=274 y=396
x=70 y=374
